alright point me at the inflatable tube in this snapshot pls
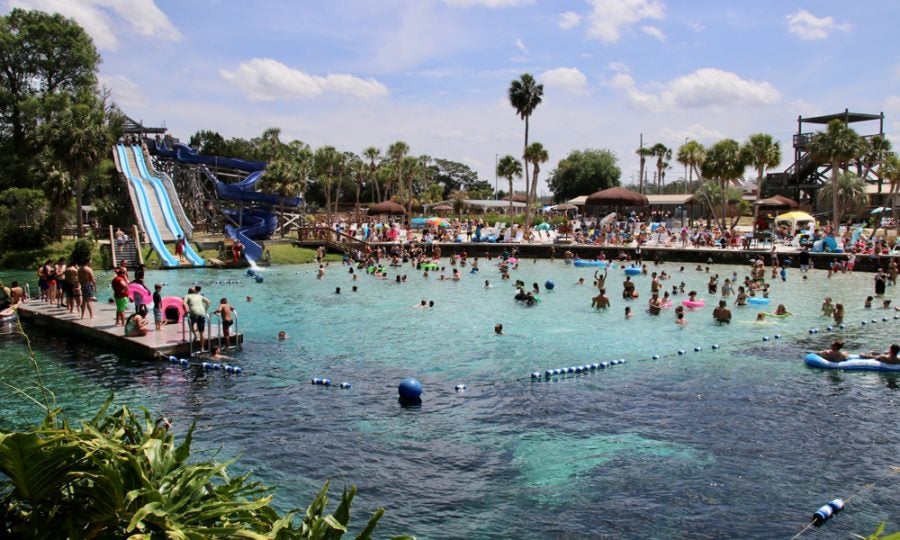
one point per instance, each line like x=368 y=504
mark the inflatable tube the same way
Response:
x=853 y=363
x=512 y=260
x=782 y=316
x=136 y=290
x=757 y=300
x=633 y=271
x=666 y=305
x=172 y=305
x=693 y=304
x=590 y=262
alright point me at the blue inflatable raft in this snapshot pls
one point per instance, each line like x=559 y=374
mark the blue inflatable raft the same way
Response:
x=590 y=262
x=853 y=363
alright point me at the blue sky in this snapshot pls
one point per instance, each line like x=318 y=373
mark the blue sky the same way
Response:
x=434 y=73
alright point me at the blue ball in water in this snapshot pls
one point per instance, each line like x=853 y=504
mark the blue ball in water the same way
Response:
x=549 y=285
x=250 y=272
x=410 y=388
x=259 y=279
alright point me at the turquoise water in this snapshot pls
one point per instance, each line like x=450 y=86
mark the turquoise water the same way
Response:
x=743 y=441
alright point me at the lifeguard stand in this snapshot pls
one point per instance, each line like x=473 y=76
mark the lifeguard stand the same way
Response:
x=803 y=178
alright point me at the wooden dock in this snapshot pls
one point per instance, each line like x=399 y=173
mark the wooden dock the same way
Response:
x=170 y=340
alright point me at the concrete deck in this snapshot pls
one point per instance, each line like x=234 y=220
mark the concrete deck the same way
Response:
x=170 y=340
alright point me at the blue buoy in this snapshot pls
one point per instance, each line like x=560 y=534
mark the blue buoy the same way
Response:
x=537 y=374
x=680 y=352
x=460 y=388
x=250 y=272
x=578 y=369
x=549 y=285
x=830 y=328
x=346 y=385
x=229 y=369
x=621 y=360
x=841 y=326
x=316 y=380
x=604 y=365
x=238 y=371
x=217 y=366
x=173 y=359
x=548 y=373
x=822 y=515
x=326 y=382
x=259 y=279
x=884 y=319
x=864 y=323
x=595 y=365
x=837 y=505
x=698 y=348
x=655 y=357
x=765 y=338
x=874 y=321
x=410 y=388
x=204 y=365
x=614 y=362
x=777 y=336
x=812 y=330
x=715 y=346
x=184 y=361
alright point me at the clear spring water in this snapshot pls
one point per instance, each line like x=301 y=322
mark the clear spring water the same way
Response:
x=744 y=441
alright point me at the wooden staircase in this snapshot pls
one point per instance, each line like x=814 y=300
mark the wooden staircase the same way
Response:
x=129 y=251
x=330 y=238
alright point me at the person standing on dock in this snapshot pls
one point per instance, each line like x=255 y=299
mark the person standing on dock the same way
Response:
x=195 y=304
x=120 y=293
x=88 y=287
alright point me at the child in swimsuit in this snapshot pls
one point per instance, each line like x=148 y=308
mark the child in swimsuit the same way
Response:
x=226 y=310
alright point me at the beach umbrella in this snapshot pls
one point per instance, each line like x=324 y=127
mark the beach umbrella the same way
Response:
x=777 y=201
x=443 y=208
x=515 y=198
x=616 y=196
x=565 y=206
x=386 y=208
x=437 y=222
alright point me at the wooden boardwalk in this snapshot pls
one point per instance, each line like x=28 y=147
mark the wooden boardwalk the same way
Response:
x=170 y=340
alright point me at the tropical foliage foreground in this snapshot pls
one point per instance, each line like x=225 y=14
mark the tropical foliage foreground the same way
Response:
x=122 y=475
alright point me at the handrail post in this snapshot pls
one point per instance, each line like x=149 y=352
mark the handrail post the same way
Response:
x=112 y=247
x=137 y=245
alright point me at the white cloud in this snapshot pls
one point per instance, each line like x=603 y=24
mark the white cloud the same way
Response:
x=705 y=87
x=697 y=132
x=608 y=17
x=568 y=78
x=265 y=79
x=654 y=32
x=569 y=20
x=125 y=92
x=96 y=16
x=492 y=4
x=521 y=46
x=808 y=27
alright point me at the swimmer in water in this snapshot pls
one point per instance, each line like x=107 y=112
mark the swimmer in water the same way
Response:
x=282 y=335
x=827 y=307
x=628 y=313
x=781 y=310
x=498 y=329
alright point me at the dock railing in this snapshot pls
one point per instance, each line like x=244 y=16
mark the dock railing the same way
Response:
x=330 y=238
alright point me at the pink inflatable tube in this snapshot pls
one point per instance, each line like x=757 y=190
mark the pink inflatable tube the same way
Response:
x=693 y=304
x=172 y=304
x=136 y=290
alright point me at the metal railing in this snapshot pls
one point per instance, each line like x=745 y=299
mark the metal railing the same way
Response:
x=331 y=238
x=189 y=336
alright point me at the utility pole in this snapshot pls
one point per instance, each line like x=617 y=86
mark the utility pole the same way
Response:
x=641 y=156
x=496 y=157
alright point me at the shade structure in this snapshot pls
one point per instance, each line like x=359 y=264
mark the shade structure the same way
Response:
x=442 y=208
x=386 y=208
x=515 y=198
x=777 y=201
x=616 y=196
x=564 y=206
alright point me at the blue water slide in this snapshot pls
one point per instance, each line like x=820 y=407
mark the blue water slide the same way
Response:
x=186 y=154
x=165 y=205
x=143 y=201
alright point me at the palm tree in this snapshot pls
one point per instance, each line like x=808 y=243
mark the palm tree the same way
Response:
x=270 y=143
x=373 y=154
x=81 y=137
x=761 y=152
x=643 y=153
x=692 y=154
x=509 y=167
x=890 y=171
x=838 y=145
x=325 y=161
x=534 y=154
x=877 y=149
x=396 y=152
x=358 y=168
x=282 y=179
x=525 y=95
x=724 y=163
x=410 y=168
x=663 y=154
x=848 y=189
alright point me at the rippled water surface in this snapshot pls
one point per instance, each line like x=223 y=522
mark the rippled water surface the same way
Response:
x=743 y=441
